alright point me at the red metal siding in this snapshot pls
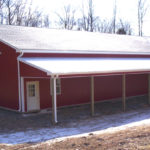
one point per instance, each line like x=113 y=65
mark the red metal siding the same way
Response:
x=8 y=78
x=108 y=87
x=84 y=55
x=136 y=84
x=28 y=71
x=77 y=90
x=74 y=91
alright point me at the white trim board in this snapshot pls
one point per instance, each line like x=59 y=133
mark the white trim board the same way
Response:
x=82 y=52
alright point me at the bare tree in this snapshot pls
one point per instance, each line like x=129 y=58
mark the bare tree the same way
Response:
x=33 y=17
x=104 y=26
x=2 y=2
x=67 y=18
x=124 y=27
x=10 y=15
x=91 y=17
x=142 y=10
x=46 y=21
x=28 y=16
x=114 y=16
x=14 y=11
x=19 y=12
x=88 y=20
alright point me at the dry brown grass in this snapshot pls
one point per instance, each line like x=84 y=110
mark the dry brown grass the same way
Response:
x=135 y=138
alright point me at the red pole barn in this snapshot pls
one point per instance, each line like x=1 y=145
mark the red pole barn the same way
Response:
x=49 y=68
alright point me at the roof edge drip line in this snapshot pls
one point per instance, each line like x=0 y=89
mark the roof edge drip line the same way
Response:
x=99 y=73
x=81 y=52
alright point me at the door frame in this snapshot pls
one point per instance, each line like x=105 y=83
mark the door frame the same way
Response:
x=36 y=83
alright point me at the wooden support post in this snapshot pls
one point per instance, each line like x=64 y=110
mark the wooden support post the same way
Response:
x=54 y=101
x=92 y=96
x=148 y=88
x=124 y=92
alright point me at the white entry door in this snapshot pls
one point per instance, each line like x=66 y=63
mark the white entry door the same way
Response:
x=33 y=98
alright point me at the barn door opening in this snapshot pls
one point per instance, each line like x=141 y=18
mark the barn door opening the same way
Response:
x=33 y=98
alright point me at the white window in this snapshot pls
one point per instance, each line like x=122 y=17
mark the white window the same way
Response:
x=58 y=87
x=31 y=90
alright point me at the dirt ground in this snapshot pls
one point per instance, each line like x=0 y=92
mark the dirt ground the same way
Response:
x=107 y=115
x=130 y=139
x=137 y=138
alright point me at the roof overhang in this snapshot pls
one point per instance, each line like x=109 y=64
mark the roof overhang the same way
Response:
x=79 y=66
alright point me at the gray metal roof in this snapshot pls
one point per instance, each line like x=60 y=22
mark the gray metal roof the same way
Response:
x=29 y=38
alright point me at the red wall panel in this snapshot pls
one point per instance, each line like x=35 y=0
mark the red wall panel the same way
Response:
x=28 y=71
x=77 y=90
x=8 y=78
x=108 y=87
x=84 y=55
x=136 y=84
x=74 y=91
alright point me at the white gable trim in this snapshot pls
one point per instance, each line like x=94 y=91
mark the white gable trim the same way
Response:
x=13 y=47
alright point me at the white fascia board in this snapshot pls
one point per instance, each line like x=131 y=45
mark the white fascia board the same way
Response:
x=82 y=52
x=103 y=72
x=13 y=47
x=34 y=66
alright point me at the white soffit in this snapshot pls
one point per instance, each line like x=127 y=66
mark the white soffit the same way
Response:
x=70 y=66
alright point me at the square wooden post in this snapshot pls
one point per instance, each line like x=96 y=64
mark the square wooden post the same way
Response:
x=54 y=100
x=124 y=92
x=92 y=96
x=148 y=88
